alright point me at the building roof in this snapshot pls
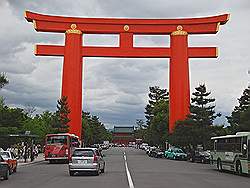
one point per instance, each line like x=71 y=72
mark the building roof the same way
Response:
x=124 y=129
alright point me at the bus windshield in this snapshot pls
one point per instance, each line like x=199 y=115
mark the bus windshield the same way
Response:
x=57 y=140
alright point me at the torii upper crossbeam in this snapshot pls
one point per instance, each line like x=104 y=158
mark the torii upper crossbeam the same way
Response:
x=179 y=52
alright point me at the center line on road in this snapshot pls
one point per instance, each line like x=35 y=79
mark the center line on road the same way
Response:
x=125 y=158
x=130 y=181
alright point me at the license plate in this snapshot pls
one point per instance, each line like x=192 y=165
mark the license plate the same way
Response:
x=82 y=161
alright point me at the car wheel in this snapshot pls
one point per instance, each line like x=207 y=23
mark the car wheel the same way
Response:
x=238 y=168
x=10 y=171
x=6 y=175
x=15 y=169
x=97 y=173
x=219 y=165
x=71 y=173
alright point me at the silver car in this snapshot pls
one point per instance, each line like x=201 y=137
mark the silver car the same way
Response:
x=86 y=160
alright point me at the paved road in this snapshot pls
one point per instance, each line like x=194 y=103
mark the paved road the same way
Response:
x=145 y=172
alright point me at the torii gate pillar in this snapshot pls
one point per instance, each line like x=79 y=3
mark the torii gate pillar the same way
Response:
x=179 y=77
x=72 y=78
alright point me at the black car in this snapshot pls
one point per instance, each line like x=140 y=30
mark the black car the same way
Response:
x=4 y=169
x=200 y=156
x=150 y=151
x=158 y=153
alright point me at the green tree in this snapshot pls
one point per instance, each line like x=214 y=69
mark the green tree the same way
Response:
x=93 y=130
x=11 y=121
x=156 y=113
x=157 y=131
x=240 y=117
x=202 y=111
x=60 y=118
x=11 y=117
x=141 y=129
x=155 y=94
x=196 y=128
x=40 y=125
x=3 y=80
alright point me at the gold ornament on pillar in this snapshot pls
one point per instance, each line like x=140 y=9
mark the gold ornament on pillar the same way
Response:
x=179 y=31
x=126 y=28
x=73 y=30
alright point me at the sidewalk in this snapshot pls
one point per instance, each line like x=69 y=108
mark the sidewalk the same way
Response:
x=39 y=158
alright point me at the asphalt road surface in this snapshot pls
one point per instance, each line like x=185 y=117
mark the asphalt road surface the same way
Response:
x=127 y=168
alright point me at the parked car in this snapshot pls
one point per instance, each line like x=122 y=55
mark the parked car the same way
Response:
x=158 y=153
x=147 y=149
x=151 y=150
x=10 y=158
x=4 y=169
x=86 y=160
x=175 y=153
x=143 y=146
x=200 y=156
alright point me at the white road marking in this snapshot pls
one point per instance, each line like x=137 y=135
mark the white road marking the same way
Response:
x=130 y=181
x=125 y=158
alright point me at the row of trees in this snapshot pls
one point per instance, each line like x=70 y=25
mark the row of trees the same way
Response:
x=198 y=127
x=15 y=120
x=93 y=130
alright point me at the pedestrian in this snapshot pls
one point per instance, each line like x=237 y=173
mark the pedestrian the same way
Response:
x=36 y=151
x=25 y=154
x=192 y=154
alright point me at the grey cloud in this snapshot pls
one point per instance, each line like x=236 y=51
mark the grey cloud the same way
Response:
x=129 y=99
x=112 y=85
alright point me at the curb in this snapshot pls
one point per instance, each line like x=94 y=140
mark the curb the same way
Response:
x=30 y=163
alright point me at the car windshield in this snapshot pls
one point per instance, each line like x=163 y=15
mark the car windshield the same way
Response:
x=205 y=153
x=83 y=153
x=178 y=151
x=57 y=140
x=5 y=155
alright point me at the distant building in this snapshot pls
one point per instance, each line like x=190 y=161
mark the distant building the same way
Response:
x=123 y=135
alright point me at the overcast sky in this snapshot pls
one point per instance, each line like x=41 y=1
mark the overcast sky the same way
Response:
x=116 y=89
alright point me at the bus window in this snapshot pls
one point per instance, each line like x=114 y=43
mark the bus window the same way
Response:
x=248 y=149
x=57 y=139
x=215 y=145
x=244 y=146
x=75 y=142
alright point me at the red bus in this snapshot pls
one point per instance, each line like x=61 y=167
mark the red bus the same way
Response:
x=59 y=147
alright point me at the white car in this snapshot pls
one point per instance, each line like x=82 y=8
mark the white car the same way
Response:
x=86 y=160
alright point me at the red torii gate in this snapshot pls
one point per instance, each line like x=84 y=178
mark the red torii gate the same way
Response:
x=179 y=52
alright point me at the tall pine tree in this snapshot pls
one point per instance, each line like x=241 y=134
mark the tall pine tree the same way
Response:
x=61 y=119
x=155 y=95
x=196 y=128
x=157 y=116
x=201 y=110
x=240 y=117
